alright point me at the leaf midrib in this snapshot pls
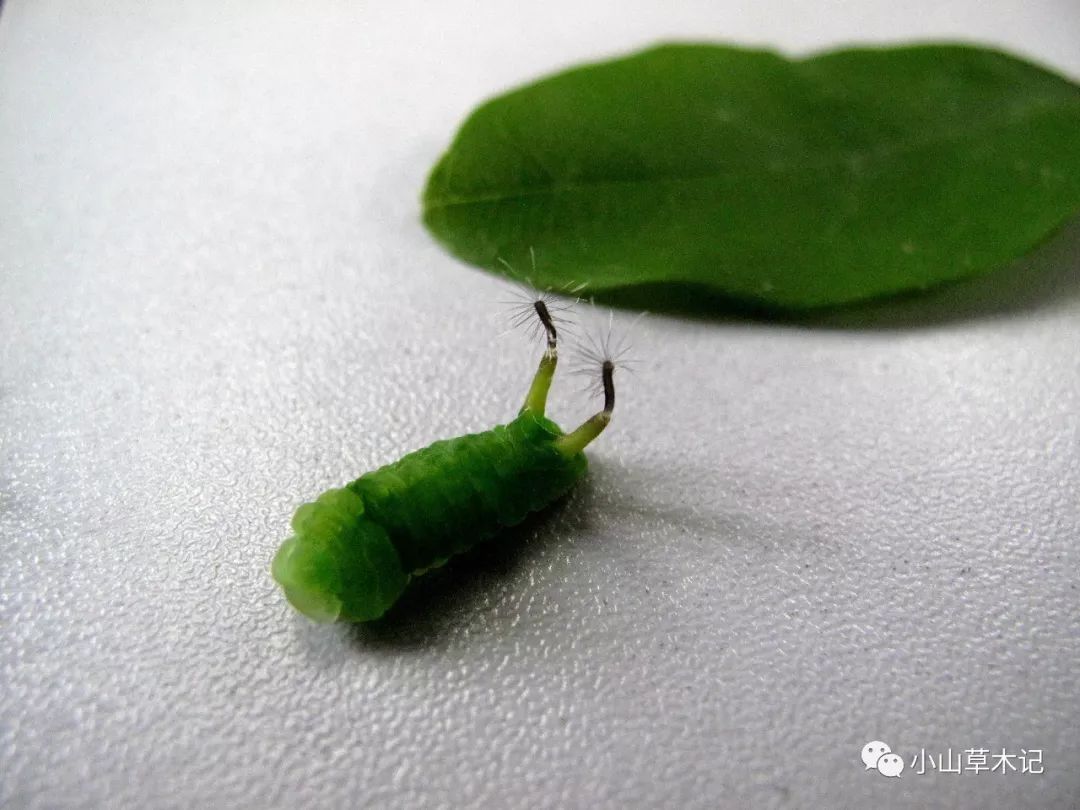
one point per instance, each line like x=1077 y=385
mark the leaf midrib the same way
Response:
x=810 y=164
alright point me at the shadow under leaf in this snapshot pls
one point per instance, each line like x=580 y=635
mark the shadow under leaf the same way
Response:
x=1047 y=277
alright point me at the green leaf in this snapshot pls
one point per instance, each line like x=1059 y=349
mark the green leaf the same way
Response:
x=691 y=175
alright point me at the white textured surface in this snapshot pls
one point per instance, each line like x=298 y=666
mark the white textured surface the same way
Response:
x=216 y=300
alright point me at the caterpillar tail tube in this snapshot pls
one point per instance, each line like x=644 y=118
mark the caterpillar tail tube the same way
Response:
x=338 y=565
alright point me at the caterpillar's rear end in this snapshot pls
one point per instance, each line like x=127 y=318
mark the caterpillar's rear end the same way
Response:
x=355 y=549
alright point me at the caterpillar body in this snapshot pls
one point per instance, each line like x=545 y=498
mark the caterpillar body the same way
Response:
x=355 y=549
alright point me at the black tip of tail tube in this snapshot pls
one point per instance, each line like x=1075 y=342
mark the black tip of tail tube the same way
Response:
x=608 y=376
x=545 y=318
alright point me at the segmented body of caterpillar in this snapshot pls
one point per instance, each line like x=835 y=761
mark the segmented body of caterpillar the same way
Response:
x=356 y=548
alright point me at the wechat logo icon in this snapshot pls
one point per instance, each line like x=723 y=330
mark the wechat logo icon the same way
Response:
x=877 y=756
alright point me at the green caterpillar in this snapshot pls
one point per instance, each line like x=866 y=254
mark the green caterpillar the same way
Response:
x=356 y=548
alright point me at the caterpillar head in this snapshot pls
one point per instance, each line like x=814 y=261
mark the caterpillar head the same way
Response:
x=338 y=565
